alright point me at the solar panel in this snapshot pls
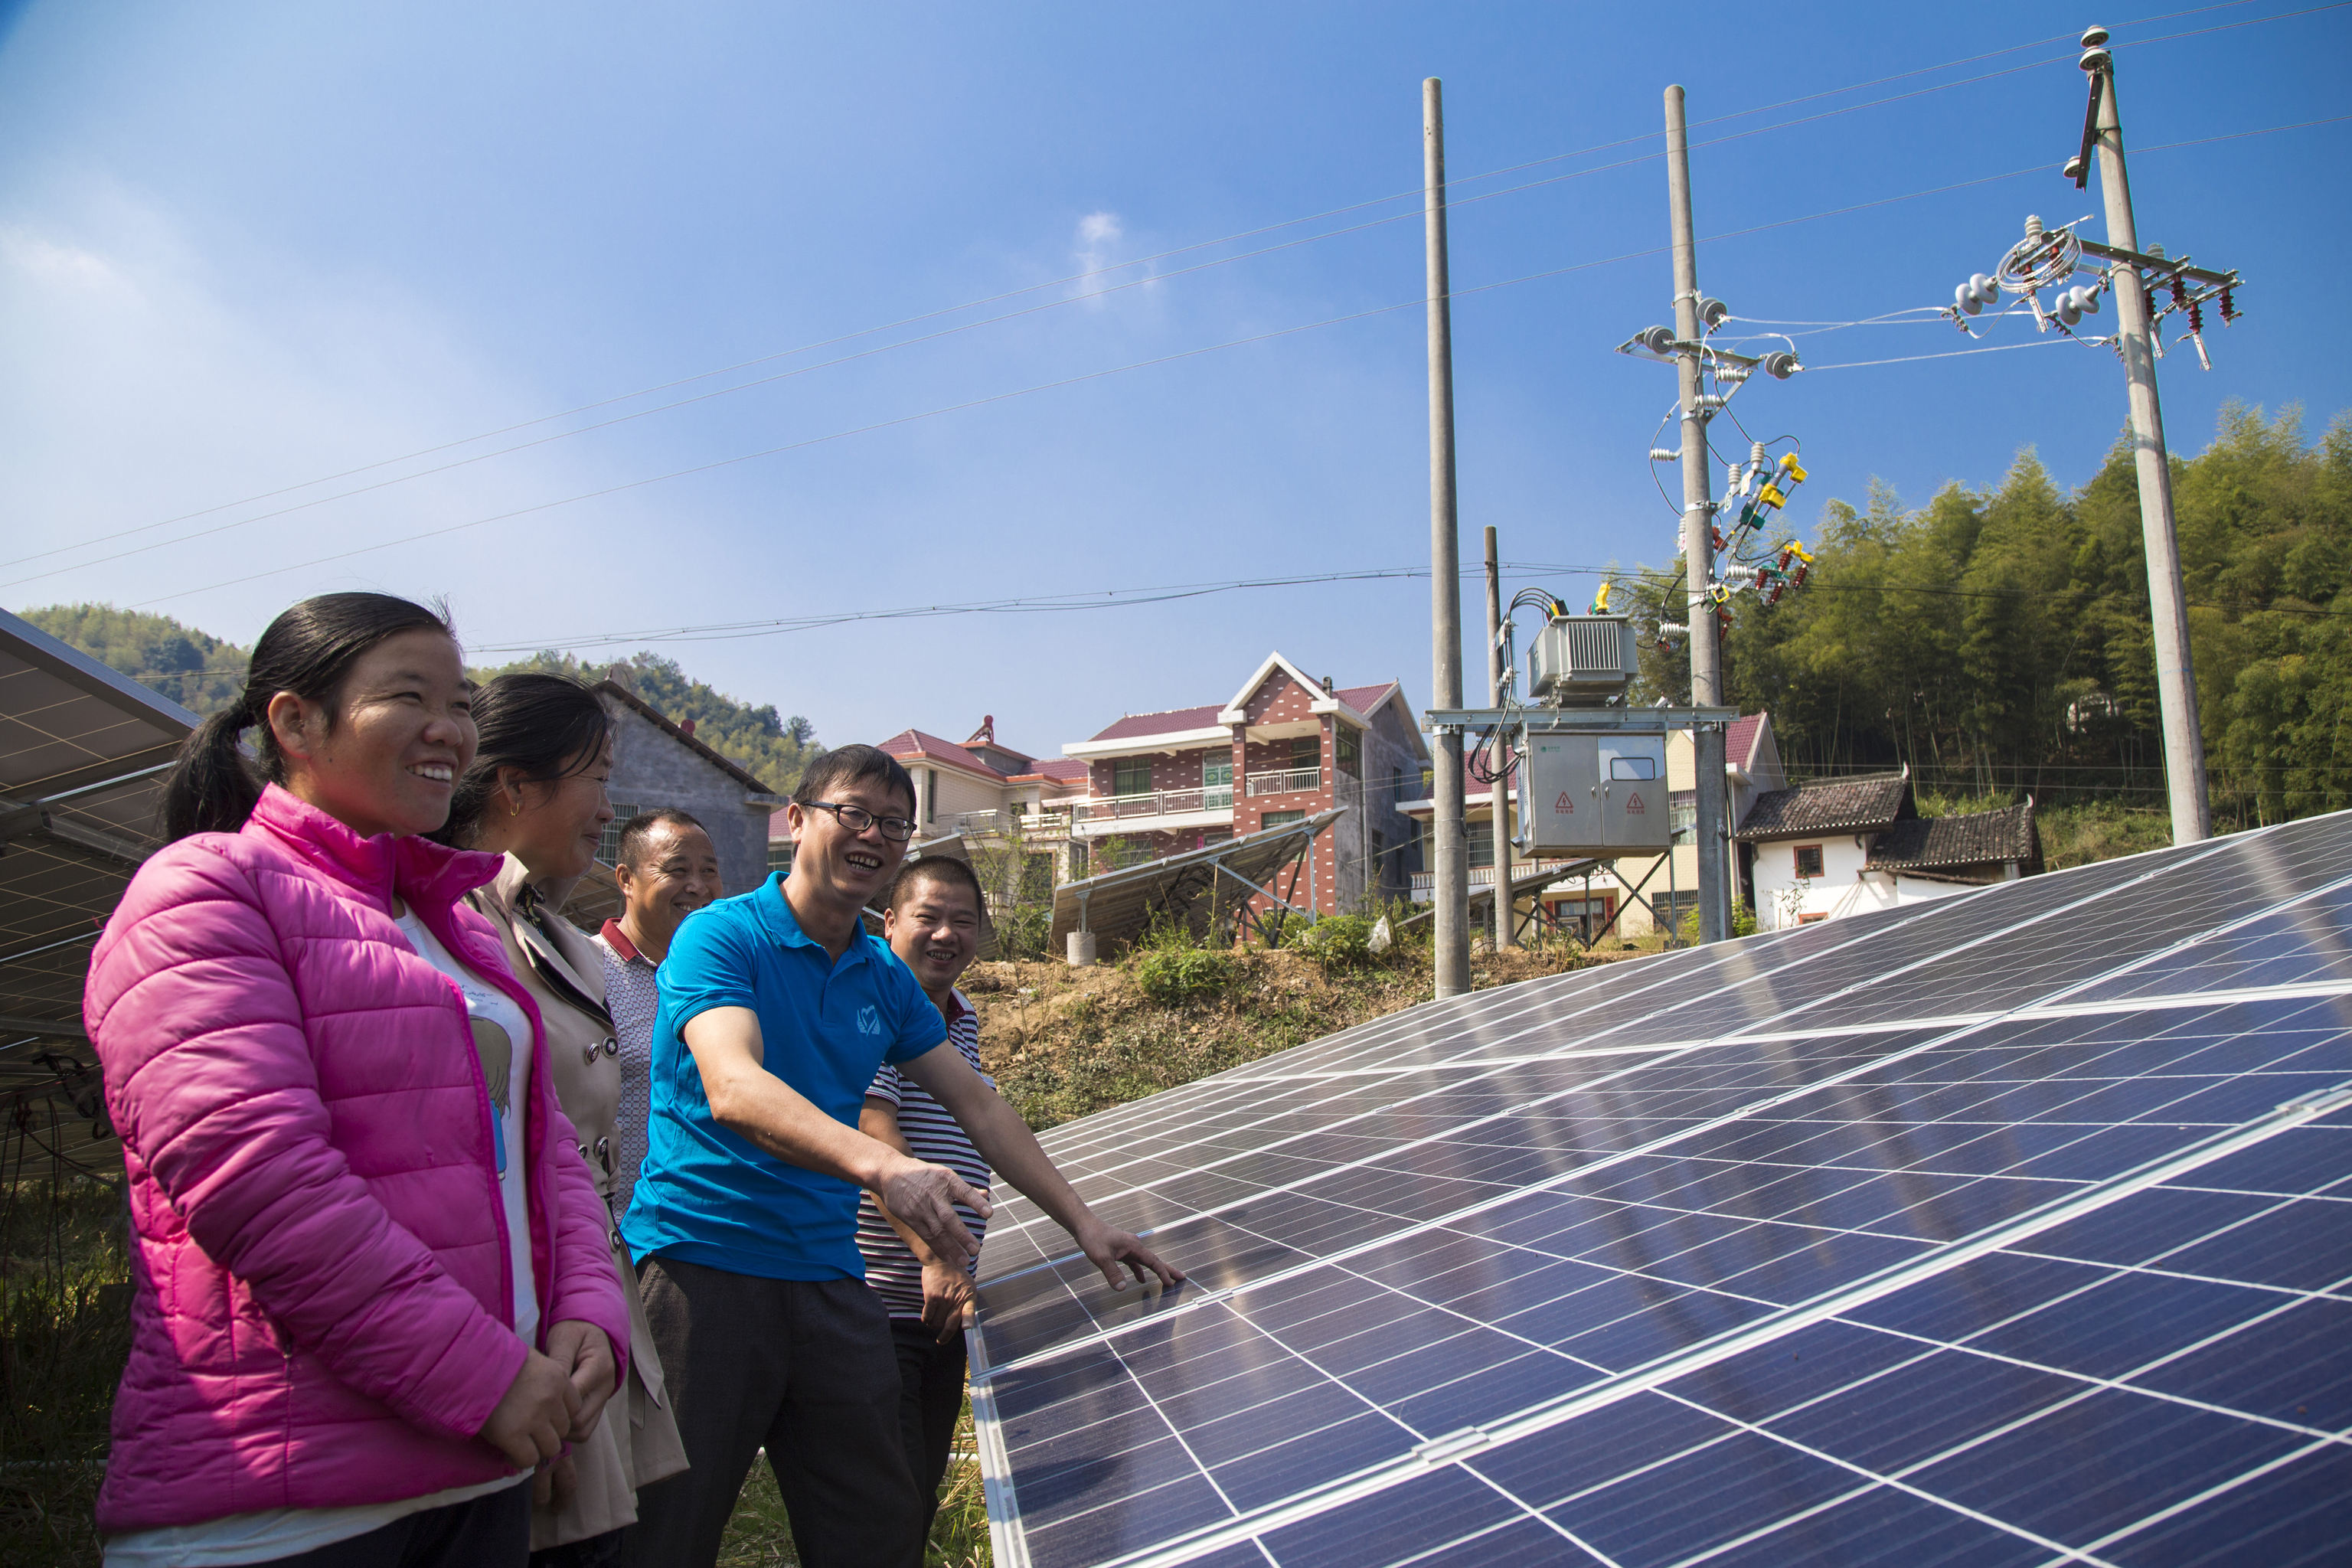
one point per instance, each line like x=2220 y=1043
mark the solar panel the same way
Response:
x=2012 y=1226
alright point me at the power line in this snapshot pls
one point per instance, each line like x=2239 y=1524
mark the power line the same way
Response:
x=1074 y=279
x=1054 y=385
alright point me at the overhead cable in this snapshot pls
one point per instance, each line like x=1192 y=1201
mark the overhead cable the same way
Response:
x=1415 y=193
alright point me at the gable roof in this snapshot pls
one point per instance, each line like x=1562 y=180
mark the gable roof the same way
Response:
x=932 y=748
x=1175 y=720
x=645 y=709
x=1974 y=839
x=1739 y=740
x=1871 y=802
x=1059 y=770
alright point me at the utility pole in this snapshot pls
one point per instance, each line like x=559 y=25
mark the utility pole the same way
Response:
x=2176 y=676
x=1698 y=540
x=1451 y=889
x=1504 y=907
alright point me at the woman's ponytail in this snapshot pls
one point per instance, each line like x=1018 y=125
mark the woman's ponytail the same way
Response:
x=307 y=650
x=212 y=789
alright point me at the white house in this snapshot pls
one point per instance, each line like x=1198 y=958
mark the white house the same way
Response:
x=1828 y=847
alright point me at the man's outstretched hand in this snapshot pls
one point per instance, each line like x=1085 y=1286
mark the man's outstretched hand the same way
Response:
x=1113 y=1251
x=924 y=1197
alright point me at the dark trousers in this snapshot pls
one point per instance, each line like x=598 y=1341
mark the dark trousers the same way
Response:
x=803 y=1366
x=487 y=1531
x=930 y=1399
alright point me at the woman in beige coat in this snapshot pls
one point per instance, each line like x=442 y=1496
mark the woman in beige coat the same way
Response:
x=535 y=793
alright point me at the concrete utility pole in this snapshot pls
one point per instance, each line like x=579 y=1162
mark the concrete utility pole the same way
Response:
x=1450 y=889
x=1504 y=907
x=1698 y=542
x=2176 y=677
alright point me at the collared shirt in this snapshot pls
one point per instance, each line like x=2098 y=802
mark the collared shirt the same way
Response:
x=631 y=995
x=708 y=1194
x=932 y=1134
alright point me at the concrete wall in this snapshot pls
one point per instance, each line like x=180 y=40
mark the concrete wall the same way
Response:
x=650 y=769
x=1778 y=898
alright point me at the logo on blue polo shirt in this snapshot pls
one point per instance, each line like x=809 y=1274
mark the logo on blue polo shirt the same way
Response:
x=869 y=1021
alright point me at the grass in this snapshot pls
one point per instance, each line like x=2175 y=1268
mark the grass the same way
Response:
x=759 y=1536
x=65 y=1330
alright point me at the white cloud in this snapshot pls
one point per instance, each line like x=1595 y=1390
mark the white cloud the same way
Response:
x=157 y=372
x=1099 y=236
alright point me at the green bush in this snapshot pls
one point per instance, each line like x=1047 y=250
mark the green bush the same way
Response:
x=1341 y=942
x=1174 y=971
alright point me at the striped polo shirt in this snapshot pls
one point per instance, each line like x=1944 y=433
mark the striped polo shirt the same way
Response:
x=932 y=1135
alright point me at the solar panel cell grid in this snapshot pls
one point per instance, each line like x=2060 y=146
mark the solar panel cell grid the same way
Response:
x=1909 y=1294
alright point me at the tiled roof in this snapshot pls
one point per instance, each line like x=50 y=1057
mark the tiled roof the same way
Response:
x=1739 y=739
x=912 y=743
x=1978 y=838
x=1365 y=699
x=1874 y=802
x=1061 y=770
x=1170 y=722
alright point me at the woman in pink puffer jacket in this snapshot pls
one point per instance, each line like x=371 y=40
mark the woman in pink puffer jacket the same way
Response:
x=374 y=1285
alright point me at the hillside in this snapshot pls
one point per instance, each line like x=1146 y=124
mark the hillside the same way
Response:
x=203 y=674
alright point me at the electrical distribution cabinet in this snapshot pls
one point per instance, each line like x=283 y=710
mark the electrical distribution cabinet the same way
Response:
x=1596 y=794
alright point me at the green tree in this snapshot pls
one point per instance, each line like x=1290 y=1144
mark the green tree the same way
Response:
x=194 y=668
x=772 y=748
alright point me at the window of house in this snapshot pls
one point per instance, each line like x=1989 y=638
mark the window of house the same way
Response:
x=608 y=843
x=1809 y=860
x=930 y=794
x=1349 y=744
x=1281 y=819
x=1078 y=860
x=780 y=854
x=1481 y=846
x=1305 y=751
x=1379 y=849
x=1130 y=776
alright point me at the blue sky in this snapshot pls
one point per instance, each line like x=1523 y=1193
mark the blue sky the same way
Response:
x=243 y=248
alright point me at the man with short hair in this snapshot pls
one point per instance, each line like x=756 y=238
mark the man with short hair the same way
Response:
x=777 y=1010
x=933 y=924
x=668 y=869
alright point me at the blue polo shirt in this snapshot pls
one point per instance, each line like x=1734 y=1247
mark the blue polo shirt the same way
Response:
x=711 y=1196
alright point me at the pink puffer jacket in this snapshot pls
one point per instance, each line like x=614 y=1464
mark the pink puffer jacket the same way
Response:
x=323 y=1312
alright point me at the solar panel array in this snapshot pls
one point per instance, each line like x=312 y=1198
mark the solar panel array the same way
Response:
x=2014 y=1226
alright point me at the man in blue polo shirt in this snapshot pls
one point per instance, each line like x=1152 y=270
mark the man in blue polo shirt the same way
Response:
x=777 y=1009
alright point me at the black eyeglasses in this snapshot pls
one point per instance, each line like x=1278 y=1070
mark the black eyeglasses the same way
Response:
x=857 y=819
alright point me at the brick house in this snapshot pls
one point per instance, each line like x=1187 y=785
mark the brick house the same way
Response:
x=983 y=789
x=658 y=761
x=1284 y=746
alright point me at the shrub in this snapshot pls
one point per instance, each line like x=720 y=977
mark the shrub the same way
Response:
x=1341 y=942
x=1174 y=971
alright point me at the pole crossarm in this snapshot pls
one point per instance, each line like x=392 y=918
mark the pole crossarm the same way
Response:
x=2166 y=266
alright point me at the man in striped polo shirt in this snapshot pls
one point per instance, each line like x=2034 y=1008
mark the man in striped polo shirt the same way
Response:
x=933 y=923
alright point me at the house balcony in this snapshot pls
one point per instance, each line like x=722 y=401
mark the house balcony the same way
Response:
x=1029 y=825
x=1157 y=811
x=1284 y=780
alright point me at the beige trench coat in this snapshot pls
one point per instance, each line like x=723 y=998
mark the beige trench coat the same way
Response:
x=637 y=1443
